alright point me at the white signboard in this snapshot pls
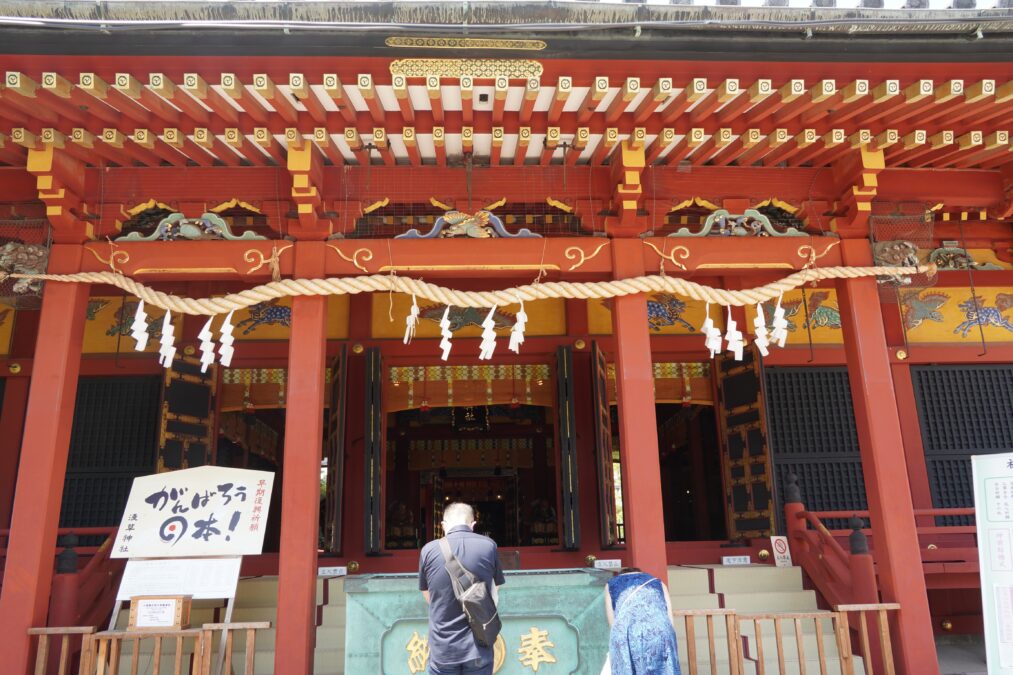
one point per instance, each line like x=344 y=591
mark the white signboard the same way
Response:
x=202 y=578
x=782 y=554
x=608 y=564
x=153 y=613
x=735 y=560
x=993 y=513
x=339 y=571
x=206 y=511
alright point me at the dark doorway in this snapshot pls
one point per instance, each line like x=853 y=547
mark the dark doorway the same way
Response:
x=498 y=458
x=691 y=490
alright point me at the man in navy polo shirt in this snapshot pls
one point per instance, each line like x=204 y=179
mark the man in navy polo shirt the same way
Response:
x=452 y=646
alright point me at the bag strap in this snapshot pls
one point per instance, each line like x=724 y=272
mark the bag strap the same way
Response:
x=455 y=569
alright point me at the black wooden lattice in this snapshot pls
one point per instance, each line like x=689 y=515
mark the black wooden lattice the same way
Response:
x=113 y=440
x=812 y=433
x=964 y=410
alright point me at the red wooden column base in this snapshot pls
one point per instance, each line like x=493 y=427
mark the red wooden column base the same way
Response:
x=28 y=573
x=898 y=558
x=638 y=426
x=300 y=498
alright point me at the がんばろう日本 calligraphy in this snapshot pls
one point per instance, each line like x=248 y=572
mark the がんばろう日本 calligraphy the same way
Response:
x=206 y=511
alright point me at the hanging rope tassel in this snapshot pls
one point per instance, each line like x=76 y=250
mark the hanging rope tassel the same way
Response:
x=167 y=352
x=207 y=346
x=712 y=334
x=517 y=332
x=488 y=336
x=779 y=325
x=225 y=340
x=411 y=321
x=734 y=337
x=139 y=328
x=446 y=334
x=760 y=331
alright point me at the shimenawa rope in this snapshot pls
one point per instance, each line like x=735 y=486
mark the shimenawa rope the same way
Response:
x=480 y=299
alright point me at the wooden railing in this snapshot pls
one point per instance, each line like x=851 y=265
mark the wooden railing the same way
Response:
x=70 y=642
x=746 y=635
x=190 y=651
x=729 y=648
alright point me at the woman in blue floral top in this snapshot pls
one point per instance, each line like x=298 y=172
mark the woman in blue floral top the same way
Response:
x=642 y=641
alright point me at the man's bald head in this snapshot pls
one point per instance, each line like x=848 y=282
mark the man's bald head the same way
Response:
x=456 y=514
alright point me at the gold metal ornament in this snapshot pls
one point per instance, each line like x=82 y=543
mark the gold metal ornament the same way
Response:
x=479 y=68
x=365 y=253
x=577 y=253
x=764 y=554
x=14 y=368
x=353 y=566
x=670 y=257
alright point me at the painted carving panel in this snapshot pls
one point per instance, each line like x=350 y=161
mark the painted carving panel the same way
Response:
x=944 y=314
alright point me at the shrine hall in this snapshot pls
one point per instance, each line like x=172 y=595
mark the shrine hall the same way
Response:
x=645 y=283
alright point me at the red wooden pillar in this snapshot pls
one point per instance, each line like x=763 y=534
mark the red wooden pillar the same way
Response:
x=300 y=498
x=895 y=538
x=24 y=600
x=12 y=426
x=638 y=425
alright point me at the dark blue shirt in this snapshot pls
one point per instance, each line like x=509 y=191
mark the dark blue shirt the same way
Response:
x=450 y=638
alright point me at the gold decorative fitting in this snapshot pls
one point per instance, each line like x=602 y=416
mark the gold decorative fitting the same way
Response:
x=116 y=257
x=366 y=254
x=356 y=349
x=234 y=203
x=376 y=205
x=695 y=201
x=764 y=554
x=478 y=68
x=809 y=253
x=577 y=253
x=670 y=257
x=463 y=43
x=579 y=344
x=901 y=355
x=255 y=255
x=558 y=204
x=14 y=368
x=589 y=560
x=189 y=350
x=353 y=566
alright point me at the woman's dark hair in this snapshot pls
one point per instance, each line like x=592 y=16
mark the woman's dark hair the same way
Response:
x=628 y=570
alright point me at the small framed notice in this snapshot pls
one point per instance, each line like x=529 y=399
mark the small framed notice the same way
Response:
x=159 y=612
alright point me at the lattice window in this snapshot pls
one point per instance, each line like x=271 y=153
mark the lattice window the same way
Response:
x=964 y=410
x=812 y=433
x=114 y=439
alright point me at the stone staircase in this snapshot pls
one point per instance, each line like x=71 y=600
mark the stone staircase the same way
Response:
x=257 y=600
x=752 y=589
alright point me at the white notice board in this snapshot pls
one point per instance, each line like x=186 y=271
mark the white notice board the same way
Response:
x=203 y=578
x=993 y=513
